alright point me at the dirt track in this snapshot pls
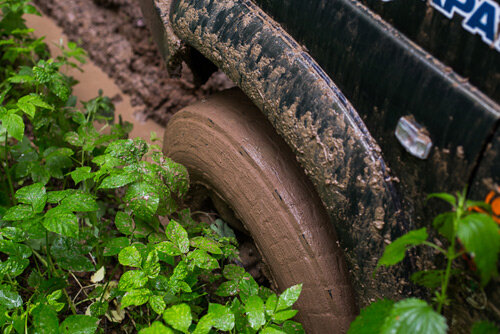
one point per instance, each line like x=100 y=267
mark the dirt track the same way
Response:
x=115 y=35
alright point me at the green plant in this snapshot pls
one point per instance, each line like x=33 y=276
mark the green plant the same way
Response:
x=464 y=232
x=82 y=246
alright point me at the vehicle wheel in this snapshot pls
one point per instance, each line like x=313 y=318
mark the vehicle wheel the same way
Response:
x=228 y=146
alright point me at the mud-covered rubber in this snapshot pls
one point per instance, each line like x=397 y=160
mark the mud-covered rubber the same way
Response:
x=228 y=145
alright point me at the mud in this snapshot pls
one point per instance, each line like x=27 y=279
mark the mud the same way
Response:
x=318 y=123
x=229 y=146
x=114 y=34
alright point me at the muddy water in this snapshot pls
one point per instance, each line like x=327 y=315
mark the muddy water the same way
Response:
x=92 y=79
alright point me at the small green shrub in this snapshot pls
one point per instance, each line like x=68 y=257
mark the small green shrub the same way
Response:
x=465 y=232
x=77 y=197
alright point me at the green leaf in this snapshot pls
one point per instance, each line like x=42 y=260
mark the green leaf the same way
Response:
x=271 y=303
x=203 y=260
x=57 y=196
x=130 y=256
x=37 y=100
x=254 y=308
x=226 y=289
x=143 y=199
x=14 y=249
x=115 y=245
x=34 y=194
x=168 y=248
x=204 y=325
x=178 y=235
x=292 y=327
x=445 y=197
x=80 y=202
x=117 y=180
x=16 y=234
x=132 y=279
x=484 y=327
x=279 y=317
x=135 y=297
x=289 y=297
x=124 y=223
x=152 y=265
x=79 y=324
x=247 y=287
x=73 y=138
x=81 y=173
x=414 y=316
x=271 y=330
x=443 y=223
x=28 y=108
x=156 y=328
x=60 y=221
x=19 y=212
x=372 y=318
x=14 y=125
x=395 y=252
x=431 y=279
x=179 y=317
x=69 y=254
x=222 y=317
x=45 y=319
x=233 y=272
x=479 y=235
x=206 y=244
x=98 y=309
x=157 y=304
x=9 y=299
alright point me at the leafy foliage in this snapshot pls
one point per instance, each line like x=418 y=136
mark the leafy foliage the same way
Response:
x=465 y=231
x=77 y=195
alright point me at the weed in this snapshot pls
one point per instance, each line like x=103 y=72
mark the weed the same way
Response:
x=80 y=208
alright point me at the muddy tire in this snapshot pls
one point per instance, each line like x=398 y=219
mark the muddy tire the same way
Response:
x=228 y=146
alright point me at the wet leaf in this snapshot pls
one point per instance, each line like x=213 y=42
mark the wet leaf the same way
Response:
x=156 y=328
x=9 y=299
x=271 y=303
x=204 y=325
x=247 y=287
x=142 y=199
x=414 y=316
x=179 y=317
x=292 y=327
x=79 y=324
x=222 y=317
x=115 y=245
x=124 y=223
x=132 y=279
x=14 y=125
x=19 y=212
x=254 y=308
x=271 y=330
x=118 y=180
x=45 y=319
x=34 y=195
x=81 y=173
x=168 y=248
x=61 y=221
x=135 y=297
x=289 y=297
x=80 y=202
x=206 y=244
x=280 y=317
x=69 y=255
x=203 y=260
x=130 y=256
x=157 y=304
x=233 y=272
x=178 y=235
x=226 y=289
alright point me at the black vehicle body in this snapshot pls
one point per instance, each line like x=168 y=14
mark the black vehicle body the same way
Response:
x=335 y=77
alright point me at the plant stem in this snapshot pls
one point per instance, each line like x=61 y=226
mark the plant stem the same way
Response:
x=450 y=256
x=430 y=244
x=7 y=171
x=71 y=305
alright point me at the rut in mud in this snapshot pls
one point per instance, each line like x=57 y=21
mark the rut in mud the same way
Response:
x=114 y=34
